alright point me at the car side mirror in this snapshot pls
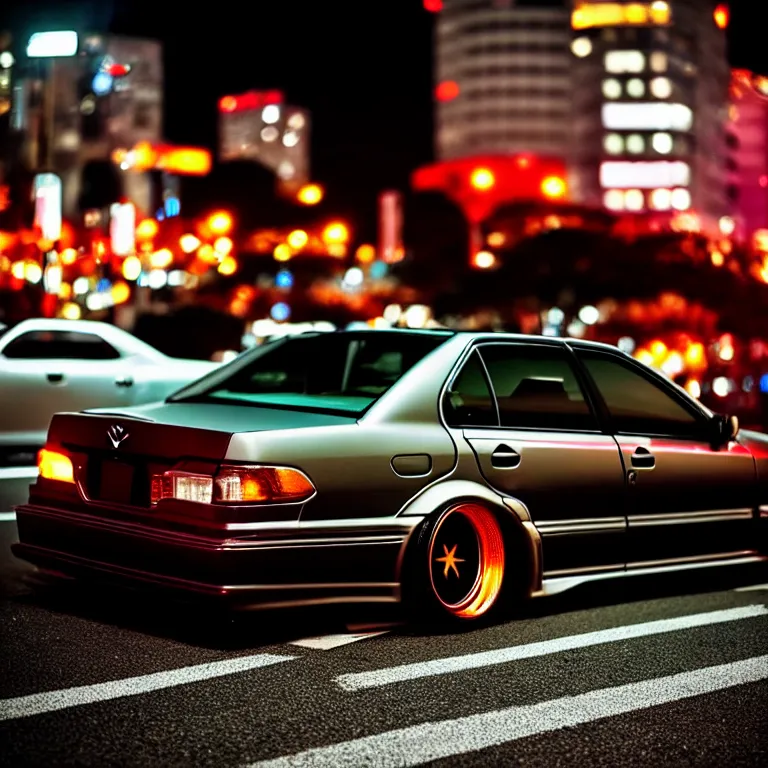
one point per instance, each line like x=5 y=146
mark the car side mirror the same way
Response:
x=725 y=429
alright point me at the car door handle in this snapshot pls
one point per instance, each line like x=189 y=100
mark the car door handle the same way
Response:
x=124 y=381
x=505 y=457
x=643 y=459
x=55 y=378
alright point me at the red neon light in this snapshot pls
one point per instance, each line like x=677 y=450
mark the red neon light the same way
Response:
x=118 y=70
x=251 y=100
x=448 y=90
x=433 y=6
x=481 y=184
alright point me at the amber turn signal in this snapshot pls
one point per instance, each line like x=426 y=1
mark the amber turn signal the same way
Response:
x=55 y=466
x=257 y=484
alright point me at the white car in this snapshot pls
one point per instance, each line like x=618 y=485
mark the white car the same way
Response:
x=47 y=366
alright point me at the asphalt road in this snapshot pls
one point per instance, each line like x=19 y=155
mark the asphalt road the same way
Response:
x=644 y=673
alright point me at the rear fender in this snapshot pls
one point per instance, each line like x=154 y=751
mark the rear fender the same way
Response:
x=439 y=496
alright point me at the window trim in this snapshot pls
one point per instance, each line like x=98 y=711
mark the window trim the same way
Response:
x=654 y=379
x=32 y=331
x=475 y=346
x=463 y=360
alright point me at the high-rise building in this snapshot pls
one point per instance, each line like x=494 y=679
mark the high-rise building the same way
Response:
x=651 y=105
x=748 y=145
x=503 y=78
x=258 y=126
x=73 y=111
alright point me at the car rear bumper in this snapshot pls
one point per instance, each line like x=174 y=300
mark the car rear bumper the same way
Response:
x=283 y=565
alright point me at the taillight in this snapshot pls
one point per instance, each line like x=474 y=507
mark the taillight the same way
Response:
x=53 y=465
x=234 y=485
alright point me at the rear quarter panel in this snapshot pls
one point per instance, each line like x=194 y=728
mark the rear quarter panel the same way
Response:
x=351 y=465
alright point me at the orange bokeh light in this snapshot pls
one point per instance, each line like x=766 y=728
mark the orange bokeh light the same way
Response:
x=365 y=254
x=553 y=187
x=484 y=260
x=310 y=194
x=722 y=16
x=184 y=161
x=146 y=229
x=228 y=266
x=336 y=233
x=482 y=179
x=223 y=245
x=220 y=223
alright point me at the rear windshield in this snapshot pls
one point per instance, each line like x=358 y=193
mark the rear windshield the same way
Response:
x=335 y=372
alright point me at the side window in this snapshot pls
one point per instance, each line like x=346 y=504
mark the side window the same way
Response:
x=636 y=404
x=60 y=345
x=536 y=387
x=469 y=402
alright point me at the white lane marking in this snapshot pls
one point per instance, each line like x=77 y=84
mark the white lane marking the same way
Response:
x=356 y=681
x=7 y=517
x=447 y=738
x=327 y=642
x=18 y=473
x=50 y=701
x=752 y=588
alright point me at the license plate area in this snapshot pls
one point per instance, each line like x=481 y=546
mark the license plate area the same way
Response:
x=116 y=481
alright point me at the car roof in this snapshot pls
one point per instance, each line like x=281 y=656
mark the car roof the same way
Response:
x=125 y=341
x=467 y=336
x=60 y=324
x=485 y=336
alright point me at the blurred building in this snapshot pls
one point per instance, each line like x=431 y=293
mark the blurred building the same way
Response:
x=650 y=106
x=258 y=126
x=632 y=95
x=748 y=145
x=503 y=77
x=73 y=111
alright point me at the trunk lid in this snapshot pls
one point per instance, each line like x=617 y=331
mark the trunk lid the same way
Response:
x=116 y=451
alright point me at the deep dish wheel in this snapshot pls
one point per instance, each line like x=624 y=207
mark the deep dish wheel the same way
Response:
x=465 y=557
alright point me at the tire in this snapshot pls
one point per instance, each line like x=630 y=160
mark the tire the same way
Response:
x=458 y=564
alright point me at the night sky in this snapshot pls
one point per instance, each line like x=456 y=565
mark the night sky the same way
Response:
x=363 y=69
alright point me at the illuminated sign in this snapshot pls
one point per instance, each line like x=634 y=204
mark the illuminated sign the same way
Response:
x=391 y=226
x=52 y=44
x=620 y=62
x=523 y=177
x=587 y=15
x=122 y=228
x=184 y=161
x=630 y=175
x=47 y=194
x=181 y=161
x=245 y=102
x=651 y=116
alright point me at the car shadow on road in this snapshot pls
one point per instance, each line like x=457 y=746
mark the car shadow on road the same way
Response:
x=193 y=622
x=205 y=626
x=621 y=591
